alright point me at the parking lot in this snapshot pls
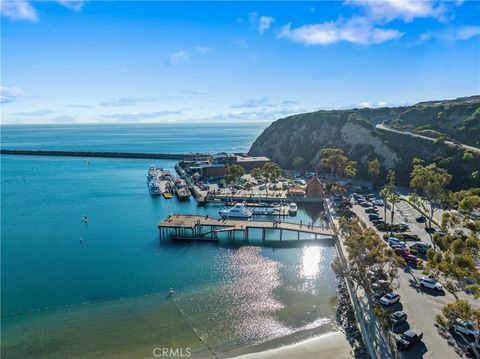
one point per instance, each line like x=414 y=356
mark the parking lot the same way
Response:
x=421 y=304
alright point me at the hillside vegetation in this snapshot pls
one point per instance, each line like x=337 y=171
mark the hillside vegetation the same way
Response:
x=458 y=120
x=353 y=131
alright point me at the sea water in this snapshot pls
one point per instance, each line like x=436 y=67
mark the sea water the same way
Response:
x=100 y=289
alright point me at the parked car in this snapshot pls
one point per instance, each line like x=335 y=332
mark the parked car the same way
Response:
x=366 y=204
x=401 y=251
x=409 y=338
x=411 y=259
x=395 y=241
x=419 y=247
x=371 y=210
x=431 y=284
x=390 y=298
x=379 y=275
x=421 y=219
x=466 y=327
x=374 y=216
x=378 y=202
x=398 y=317
x=300 y=181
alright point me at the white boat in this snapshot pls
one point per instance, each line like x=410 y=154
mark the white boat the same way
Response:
x=152 y=171
x=154 y=188
x=237 y=211
x=292 y=209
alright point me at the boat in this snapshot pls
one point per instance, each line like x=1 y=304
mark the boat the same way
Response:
x=167 y=194
x=152 y=172
x=154 y=188
x=237 y=211
x=181 y=189
x=292 y=209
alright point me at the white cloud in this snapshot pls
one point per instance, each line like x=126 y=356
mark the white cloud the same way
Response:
x=462 y=33
x=356 y=30
x=23 y=9
x=367 y=104
x=138 y=116
x=75 y=5
x=203 y=49
x=177 y=56
x=262 y=23
x=34 y=113
x=253 y=102
x=126 y=101
x=10 y=94
x=18 y=10
x=406 y=10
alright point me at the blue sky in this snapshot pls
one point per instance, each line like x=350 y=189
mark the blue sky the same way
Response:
x=98 y=61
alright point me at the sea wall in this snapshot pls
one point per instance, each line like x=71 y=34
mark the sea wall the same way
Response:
x=139 y=155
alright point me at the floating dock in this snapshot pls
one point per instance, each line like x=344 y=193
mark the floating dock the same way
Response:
x=194 y=226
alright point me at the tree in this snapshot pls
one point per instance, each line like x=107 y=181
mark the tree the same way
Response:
x=256 y=173
x=271 y=171
x=233 y=173
x=298 y=162
x=430 y=183
x=350 y=170
x=460 y=309
x=367 y=252
x=392 y=197
x=373 y=167
x=333 y=159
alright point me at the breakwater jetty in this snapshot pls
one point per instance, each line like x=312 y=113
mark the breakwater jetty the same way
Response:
x=99 y=154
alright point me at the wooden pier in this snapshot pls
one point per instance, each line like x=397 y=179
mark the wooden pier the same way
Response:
x=194 y=226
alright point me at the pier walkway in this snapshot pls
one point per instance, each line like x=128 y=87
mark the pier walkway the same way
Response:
x=192 y=225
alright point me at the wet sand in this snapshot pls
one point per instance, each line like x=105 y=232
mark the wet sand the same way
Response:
x=331 y=345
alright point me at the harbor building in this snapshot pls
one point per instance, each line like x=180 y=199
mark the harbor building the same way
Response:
x=315 y=188
x=249 y=163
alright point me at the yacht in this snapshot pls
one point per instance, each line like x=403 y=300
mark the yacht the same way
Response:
x=152 y=171
x=237 y=211
x=292 y=209
x=154 y=188
x=181 y=189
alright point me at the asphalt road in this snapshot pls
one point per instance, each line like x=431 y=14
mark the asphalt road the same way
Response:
x=465 y=147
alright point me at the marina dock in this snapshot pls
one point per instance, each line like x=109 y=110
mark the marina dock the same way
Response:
x=194 y=226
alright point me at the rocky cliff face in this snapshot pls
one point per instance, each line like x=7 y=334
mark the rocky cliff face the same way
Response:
x=354 y=132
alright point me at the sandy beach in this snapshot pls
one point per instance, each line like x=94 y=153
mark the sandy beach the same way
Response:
x=331 y=345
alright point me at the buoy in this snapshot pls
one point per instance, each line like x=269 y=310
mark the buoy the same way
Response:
x=85 y=219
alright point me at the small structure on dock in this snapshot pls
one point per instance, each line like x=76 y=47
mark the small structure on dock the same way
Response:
x=194 y=227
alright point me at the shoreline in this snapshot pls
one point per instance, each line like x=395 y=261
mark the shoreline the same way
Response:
x=333 y=345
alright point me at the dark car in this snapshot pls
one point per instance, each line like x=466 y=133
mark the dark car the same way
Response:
x=410 y=258
x=421 y=219
x=401 y=251
x=371 y=210
x=374 y=216
x=408 y=339
x=366 y=204
x=398 y=317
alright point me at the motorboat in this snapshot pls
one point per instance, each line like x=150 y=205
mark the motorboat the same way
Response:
x=292 y=209
x=154 y=188
x=181 y=189
x=237 y=211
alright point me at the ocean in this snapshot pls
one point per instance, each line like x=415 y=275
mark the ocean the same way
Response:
x=108 y=297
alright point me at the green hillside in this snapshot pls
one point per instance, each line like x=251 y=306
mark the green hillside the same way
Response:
x=354 y=131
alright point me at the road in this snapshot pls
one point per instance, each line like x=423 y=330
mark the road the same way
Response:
x=420 y=305
x=465 y=147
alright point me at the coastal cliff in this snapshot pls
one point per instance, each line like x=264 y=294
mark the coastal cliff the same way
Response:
x=355 y=132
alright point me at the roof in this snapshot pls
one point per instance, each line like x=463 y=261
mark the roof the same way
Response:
x=313 y=179
x=252 y=159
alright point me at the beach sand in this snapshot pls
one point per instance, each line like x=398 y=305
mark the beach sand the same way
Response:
x=331 y=345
